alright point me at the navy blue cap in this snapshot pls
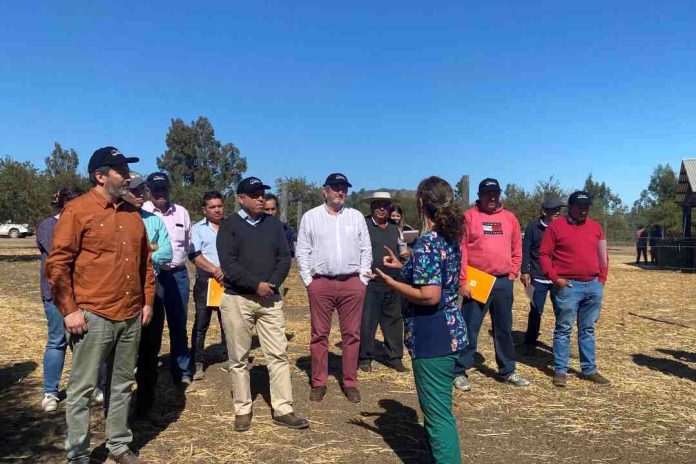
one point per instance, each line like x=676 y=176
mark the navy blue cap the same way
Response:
x=251 y=184
x=108 y=156
x=337 y=178
x=580 y=198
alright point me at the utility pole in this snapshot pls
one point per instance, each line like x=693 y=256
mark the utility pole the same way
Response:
x=283 y=202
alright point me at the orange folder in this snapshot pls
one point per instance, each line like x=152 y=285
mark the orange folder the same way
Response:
x=481 y=284
x=215 y=292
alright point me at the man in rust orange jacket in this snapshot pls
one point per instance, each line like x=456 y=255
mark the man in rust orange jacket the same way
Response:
x=103 y=283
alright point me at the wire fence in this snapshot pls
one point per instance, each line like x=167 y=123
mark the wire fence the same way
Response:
x=678 y=254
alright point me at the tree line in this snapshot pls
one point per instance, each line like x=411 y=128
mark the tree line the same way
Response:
x=197 y=161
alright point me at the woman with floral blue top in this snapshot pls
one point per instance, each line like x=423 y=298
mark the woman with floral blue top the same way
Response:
x=434 y=330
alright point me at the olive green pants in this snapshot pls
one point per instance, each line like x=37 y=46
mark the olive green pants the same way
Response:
x=105 y=339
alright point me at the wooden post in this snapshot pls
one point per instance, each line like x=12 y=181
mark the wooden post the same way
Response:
x=463 y=188
x=283 y=202
x=299 y=215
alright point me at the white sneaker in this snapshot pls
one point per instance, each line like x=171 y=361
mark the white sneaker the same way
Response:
x=461 y=382
x=517 y=381
x=98 y=396
x=50 y=402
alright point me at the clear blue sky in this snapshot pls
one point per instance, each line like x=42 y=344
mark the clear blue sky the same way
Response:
x=386 y=92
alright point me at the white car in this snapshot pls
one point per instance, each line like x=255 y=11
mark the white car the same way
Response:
x=13 y=230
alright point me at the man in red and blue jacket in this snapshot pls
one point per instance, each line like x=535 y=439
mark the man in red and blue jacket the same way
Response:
x=492 y=243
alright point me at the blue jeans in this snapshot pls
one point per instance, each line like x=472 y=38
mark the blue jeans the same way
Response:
x=500 y=306
x=582 y=301
x=54 y=354
x=173 y=294
x=536 y=309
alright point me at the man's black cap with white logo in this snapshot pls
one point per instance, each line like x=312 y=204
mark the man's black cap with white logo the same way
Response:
x=251 y=184
x=158 y=179
x=552 y=203
x=337 y=179
x=580 y=198
x=489 y=185
x=108 y=156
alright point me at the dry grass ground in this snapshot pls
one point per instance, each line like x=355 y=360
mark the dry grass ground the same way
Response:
x=646 y=346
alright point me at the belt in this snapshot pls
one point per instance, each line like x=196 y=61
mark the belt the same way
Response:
x=173 y=269
x=339 y=277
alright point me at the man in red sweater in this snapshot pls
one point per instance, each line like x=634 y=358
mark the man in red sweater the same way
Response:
x=573 y=254
x=492 y=243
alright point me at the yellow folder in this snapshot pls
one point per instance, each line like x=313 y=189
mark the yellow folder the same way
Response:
x=481 y=284
x=215 y=291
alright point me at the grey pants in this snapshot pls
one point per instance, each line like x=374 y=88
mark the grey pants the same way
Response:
x=105 y=339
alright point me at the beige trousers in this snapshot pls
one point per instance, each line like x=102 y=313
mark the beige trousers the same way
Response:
x=239 y=315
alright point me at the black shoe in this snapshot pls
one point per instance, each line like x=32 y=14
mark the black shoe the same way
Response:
x=291 y=421
x=397 y=365
x=365 y=366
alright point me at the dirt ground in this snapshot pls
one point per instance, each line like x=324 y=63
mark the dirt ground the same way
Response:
x=646 y=346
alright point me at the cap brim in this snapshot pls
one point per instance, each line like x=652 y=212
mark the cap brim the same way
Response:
x=135 y=183
x=129 y=160
x=347 y=184
x=254 y=188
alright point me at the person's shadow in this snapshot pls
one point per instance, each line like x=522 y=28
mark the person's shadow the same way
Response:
x=679 y=354
x=27 y=433
x=668 y=366
x=335 y=366
x=170 y=402
x=398 y=425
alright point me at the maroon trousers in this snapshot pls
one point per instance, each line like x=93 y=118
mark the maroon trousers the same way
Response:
x=346 y=297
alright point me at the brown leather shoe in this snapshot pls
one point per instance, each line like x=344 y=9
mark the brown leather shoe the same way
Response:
x=291 y=421
x=242 y=423
x=560 y=380
x=352 y=393
x=126 y=457
x=317 y=393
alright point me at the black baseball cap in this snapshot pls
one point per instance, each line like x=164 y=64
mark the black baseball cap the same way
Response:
x=337 y=178
x=489 y=185
x=251 y=184
x=580 y=198
x=108 y=156
x=158 y=179
x=552 y=203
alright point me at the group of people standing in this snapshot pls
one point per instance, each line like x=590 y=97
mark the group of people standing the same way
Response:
x=647 y=235
x=115 y=269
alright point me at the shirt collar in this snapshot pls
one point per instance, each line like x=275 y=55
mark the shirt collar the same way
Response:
x=574 y=222
x=103 y=202
x=243 y=214
x=171 y=208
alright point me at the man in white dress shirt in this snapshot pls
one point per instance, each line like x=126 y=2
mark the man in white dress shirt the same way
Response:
x=334 y=256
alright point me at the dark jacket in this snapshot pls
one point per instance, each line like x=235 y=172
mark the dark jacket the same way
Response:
x=250 y=254
x=530 y=249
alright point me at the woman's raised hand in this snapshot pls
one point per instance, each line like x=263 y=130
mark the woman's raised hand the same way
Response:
x=391 y=260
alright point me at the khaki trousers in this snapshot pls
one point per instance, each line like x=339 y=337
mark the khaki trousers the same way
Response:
x=239 y=315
